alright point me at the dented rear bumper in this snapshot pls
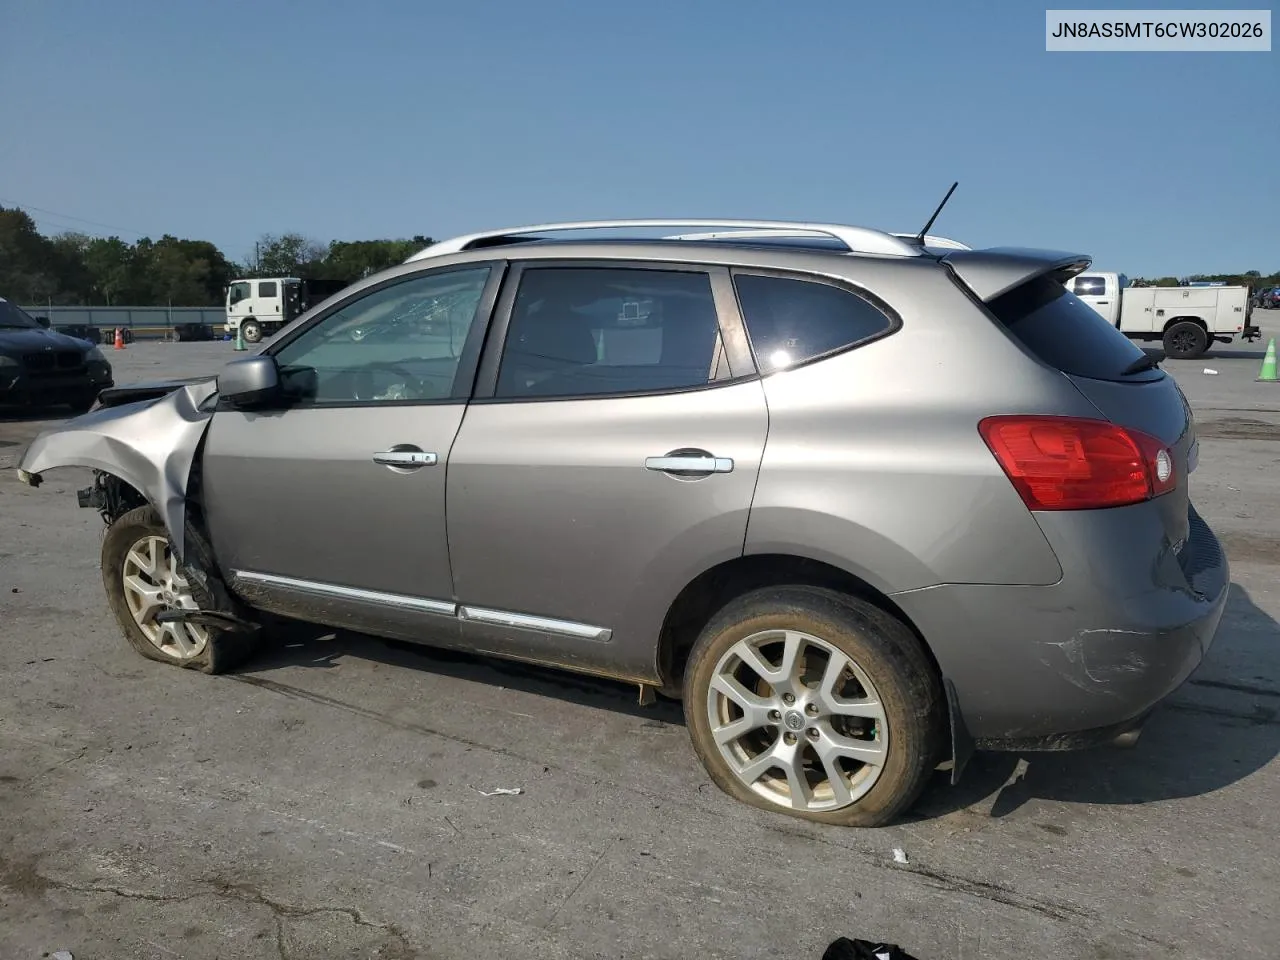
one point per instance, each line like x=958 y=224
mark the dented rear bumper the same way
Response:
x=1083 y=661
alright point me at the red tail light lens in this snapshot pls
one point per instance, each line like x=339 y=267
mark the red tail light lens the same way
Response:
x=1069 y=463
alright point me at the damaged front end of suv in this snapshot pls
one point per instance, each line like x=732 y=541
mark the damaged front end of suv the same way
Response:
x=143 y=444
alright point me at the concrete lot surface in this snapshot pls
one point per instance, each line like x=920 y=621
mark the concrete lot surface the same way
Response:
x=325 y=802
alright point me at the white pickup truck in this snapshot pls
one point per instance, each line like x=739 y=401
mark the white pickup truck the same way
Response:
x=1187 y=319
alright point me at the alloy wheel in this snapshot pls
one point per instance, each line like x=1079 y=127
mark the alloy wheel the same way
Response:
x=153 y=582
x=798 y=721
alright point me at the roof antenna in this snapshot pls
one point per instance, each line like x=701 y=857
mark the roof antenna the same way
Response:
x=925 y=229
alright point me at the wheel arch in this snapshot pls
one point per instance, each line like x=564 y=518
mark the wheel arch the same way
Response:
x=1185 y=318
x=711 y=589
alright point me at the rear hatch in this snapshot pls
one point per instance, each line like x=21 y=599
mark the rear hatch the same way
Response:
x=1119 y=378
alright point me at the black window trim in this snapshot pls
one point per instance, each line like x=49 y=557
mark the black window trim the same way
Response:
x=468 y=361
x=732 y=334
x=840 y=283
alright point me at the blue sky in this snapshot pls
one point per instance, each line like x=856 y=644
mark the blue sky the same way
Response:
x=339 y=120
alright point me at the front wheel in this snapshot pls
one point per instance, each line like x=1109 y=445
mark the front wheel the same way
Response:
x=143 y=576
x=814 y=704
x=1185 y=340
x=251 y=330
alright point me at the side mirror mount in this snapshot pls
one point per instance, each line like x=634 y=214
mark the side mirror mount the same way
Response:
x=252 y=381
x=43 y=321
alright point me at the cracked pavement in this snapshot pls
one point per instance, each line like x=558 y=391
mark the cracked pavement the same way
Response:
x=325 y=801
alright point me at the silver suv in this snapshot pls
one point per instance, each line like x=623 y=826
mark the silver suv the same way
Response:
x=866 y=502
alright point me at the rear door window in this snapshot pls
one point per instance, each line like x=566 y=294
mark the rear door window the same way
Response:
x=1066 y=333
x=793 y=321
x=596 y=332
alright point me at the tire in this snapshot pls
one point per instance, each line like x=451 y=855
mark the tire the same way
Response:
x=208 y=650
x=1185 y=340
x=882 y=650
x=251 y=330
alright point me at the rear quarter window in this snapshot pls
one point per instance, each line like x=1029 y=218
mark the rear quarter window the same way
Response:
x=791 y=321
x=1066 y=333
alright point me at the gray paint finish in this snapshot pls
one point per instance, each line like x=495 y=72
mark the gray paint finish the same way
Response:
x=552 y=512
x=149 y=445
x=542 y=520
x=298 y=494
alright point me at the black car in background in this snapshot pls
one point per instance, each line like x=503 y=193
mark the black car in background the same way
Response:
x=41 y=367
x=1268 y=298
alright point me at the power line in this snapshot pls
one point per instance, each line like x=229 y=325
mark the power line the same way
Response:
x=67 y=216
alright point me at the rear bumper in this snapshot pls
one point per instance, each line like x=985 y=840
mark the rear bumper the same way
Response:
x=1084 y=660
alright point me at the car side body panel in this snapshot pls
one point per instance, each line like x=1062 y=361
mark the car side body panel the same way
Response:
x=874 y=461
x=553 y=513
x=150 y=445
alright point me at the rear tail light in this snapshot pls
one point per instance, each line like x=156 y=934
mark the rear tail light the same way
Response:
x=1070 y=463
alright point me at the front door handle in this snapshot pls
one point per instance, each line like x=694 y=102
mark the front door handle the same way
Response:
x=689 y=464
x=405 y=458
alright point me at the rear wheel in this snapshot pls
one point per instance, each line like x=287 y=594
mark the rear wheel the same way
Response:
x=815 y=704
x=1185 y=340
x=143 y=576
x=251 y=330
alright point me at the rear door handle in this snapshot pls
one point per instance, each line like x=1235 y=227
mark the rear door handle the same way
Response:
x=689 y=464
x=405 y=458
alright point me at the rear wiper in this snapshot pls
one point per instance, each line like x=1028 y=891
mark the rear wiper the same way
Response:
x=1144 y=362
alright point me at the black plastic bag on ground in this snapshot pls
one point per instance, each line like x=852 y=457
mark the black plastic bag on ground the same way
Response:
x=845 y=949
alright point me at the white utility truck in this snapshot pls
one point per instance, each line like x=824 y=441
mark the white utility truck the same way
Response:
x=1187 y=319
x=261 y=306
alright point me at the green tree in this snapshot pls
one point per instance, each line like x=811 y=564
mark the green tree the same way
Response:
x=287 y=255
x=109 y=261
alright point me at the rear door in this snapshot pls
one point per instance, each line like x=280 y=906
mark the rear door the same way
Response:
x=332 y=508
x=609 y=456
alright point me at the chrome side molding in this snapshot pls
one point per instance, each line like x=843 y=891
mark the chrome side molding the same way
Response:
x=332 y=590
x=486 y=615
x=524 y=621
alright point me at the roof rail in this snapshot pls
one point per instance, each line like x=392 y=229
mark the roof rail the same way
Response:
x=857 y=239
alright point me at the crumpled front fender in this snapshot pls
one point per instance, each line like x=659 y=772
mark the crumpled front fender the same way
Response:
x=150 y=445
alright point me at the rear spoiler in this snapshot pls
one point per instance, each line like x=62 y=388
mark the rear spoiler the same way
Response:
x=991 y=272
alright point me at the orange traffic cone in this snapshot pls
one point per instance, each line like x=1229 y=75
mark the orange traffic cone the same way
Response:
x=119 y=338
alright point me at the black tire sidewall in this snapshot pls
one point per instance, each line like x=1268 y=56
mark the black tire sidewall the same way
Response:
x=881 y=645
x=226 y=649
x=1202 y=340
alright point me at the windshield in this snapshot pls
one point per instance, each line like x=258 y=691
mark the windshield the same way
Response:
x=13 y=317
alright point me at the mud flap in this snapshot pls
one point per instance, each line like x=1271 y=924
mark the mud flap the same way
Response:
x=961 y=741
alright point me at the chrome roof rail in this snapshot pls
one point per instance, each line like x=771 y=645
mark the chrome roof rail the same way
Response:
x=856 y=239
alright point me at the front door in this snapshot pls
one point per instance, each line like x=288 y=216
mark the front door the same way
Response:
x=606 y=460
x=331 y=509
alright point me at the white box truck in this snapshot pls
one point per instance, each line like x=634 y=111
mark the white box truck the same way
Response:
x=1187 y=319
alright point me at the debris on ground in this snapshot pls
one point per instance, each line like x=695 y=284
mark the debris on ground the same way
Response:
x=843 y=948
x=61 y=955
x=899 y=855
x=1209 y=371
x=502 y=792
